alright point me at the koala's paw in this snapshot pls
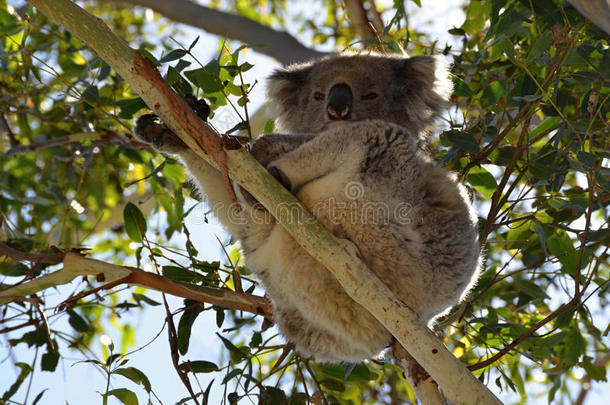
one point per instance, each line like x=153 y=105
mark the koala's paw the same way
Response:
x=200 y=106
x=280 y=176
x=150 y=131
x=265 y=149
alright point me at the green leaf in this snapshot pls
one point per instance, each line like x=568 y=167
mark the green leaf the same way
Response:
x=143 y=298
x=91 y=95
x=299 y=398
x=518 y=234
x=546 y=125
x=205 y=78
x=124 y=395
x=332 y=384
x=39 y=396
x=460 y=88
x=542 y=235
x=529 y=288
x=13 y=269
x=25 y=371
x=361 y=372
x=198 y=366
x=232 y=374
x=192 y=45
x=541 y=45
x=586 y=158
x=135 y=224
x=596 y=372
x=185 y=326
x=272 y=396
x=173 y=55
x=130 y=106
x=179 y=274
x=220 y=316
x=236 y=353
x=134 y=375
x=256 y=339
x=482 y=181
x=462 y=140
x=49 y=361
x=476 y=16
x=492 y=93
x=562 y=247
x=575 y=346
x=458 y=32
x=77 y=322
x=269 y=126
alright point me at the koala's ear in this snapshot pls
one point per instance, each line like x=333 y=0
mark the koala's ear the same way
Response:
x=425 y=81
x=284 y=86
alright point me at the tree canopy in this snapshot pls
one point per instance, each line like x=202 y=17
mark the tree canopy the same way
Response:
x=528 y=135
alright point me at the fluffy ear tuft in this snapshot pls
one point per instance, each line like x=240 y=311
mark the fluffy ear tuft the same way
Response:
x=425 y=86
x=284 y=87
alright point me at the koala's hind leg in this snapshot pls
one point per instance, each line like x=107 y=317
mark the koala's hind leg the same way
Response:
x=311 y=340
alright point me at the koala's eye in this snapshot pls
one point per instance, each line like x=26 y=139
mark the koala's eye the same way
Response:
x=318 y=96
x=369 y=96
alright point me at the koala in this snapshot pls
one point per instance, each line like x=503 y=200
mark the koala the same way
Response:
x=350 y=149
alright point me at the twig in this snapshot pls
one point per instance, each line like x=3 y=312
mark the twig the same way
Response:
x=9 y=132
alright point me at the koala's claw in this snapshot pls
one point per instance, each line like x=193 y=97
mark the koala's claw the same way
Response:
x=200 y=106
x=280 y=176
x=150 y=131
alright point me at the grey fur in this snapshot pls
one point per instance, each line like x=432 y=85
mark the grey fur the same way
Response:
x=409 y=220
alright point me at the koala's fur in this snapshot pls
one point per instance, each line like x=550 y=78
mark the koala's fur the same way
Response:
x=410 y=220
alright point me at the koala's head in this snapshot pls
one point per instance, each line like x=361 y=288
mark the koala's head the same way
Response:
x=314 y=96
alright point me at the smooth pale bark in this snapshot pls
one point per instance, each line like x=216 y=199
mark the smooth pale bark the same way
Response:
x=458 y=384
x=75 y=265
x=277 y=44
x=598 y=11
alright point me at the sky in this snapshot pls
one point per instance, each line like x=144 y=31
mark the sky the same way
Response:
x=81 y=383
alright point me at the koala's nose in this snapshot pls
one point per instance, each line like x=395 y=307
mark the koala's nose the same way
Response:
x=339 y=102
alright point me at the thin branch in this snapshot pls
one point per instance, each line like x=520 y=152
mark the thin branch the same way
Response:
x=377 y=21
x=277 y=44
x=573 y=302
x=108 y=138
x=360 y=21
x=6 y=129
x=44 y=258
x=76 y=265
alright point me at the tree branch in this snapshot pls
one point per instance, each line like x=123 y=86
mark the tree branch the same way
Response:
x=458 y=384
x=107 y=137
x=357 y=15
x=426 y=389
x=75 y=265
x=597 y=11
x=278 y=44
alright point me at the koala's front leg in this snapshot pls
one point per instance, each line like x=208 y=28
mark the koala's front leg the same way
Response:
x=209 y=180
x=344 y=148
x=268 y=148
